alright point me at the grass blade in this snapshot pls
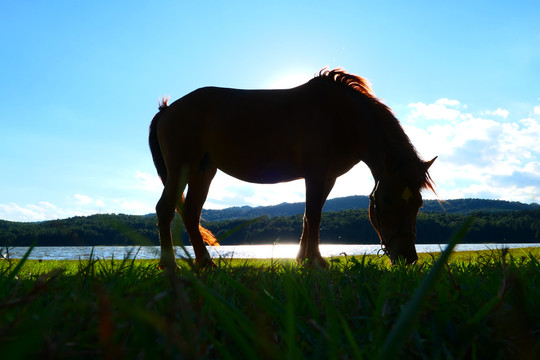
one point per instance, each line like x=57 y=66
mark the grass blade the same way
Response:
x=19 y=265
x=404 y=324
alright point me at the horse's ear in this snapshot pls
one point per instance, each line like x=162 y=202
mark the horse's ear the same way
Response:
x=428 y=164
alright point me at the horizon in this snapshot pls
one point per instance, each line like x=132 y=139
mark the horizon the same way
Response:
x=81 y=83
x=272 y=205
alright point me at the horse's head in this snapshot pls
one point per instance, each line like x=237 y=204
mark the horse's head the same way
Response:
x=393 y=207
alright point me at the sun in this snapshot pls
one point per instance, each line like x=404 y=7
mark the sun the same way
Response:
x=290 y=79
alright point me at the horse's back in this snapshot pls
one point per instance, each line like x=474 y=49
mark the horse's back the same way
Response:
x=257 y=135
x=309 y=108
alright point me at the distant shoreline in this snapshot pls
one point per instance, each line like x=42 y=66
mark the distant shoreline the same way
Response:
x=266 y=251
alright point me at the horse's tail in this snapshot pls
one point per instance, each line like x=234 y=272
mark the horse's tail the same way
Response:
x=153 y=140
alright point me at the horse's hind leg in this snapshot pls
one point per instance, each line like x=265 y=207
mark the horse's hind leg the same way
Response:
x=174 y=188
x=198 y=185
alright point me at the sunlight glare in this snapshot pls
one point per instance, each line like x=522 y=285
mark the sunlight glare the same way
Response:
x=290 y=79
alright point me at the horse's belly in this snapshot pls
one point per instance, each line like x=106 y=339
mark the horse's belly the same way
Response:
x=262 y=173
x=257 y=159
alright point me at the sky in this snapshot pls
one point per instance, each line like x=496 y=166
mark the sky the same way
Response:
x=80 y=82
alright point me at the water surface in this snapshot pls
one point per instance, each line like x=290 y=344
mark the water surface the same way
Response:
x=279 y=251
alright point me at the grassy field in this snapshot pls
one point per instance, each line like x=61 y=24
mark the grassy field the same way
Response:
x=475 y=305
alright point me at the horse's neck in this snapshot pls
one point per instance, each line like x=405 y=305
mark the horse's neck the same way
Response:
x=385 y=141
x=375 y=163
x=375 y=152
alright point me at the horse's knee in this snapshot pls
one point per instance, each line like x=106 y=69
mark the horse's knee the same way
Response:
x=165 y=214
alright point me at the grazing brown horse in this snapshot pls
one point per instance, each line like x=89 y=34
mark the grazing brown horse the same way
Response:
x=316 y=131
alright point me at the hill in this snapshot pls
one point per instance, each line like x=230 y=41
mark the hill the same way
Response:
x=344 y=221
x=459 y=206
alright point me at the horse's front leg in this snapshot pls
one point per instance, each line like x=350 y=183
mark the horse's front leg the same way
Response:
x=316 y=193
x=309 y=253
x=302 y=252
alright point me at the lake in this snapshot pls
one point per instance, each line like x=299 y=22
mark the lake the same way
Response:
x=279 y=251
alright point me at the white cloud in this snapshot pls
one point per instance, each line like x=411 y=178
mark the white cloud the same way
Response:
x=148 y=181
x=440 y=110
x=132 y=206
x=478 y=157
x=227 y=191
x=34 y=212
x=142 y=202
x=225 y=188
x=499 y=112
x=85 y=200
x=537 y=110
x=358 y=181
x=532 y=168
x=290 y=192
x=77 y=205
x=447 y=102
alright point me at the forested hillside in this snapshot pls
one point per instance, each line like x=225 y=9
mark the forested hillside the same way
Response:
x=460 y=206
x=495 y=222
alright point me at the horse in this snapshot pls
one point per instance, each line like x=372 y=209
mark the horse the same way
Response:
x=317 y=132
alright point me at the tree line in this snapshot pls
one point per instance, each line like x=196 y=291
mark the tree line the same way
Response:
x=455 y=206
x=337 y=227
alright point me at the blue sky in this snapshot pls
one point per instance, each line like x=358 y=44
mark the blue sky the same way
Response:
x=80 y=82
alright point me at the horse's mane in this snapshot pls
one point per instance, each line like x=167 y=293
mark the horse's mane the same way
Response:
x=408 y=160
x=353 y=81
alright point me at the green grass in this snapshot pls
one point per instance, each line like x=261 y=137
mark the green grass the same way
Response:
x=477 y=304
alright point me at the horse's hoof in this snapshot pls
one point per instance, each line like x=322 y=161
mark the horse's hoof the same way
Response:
x=168 y=265
x=320 y=262
x=315 y=262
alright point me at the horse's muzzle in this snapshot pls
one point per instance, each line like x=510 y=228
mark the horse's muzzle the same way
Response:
x=403 y=249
